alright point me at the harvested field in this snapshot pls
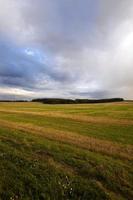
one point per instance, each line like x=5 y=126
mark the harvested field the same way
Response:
x=66 y=151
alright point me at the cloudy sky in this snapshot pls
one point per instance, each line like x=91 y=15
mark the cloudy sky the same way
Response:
x=66 y=48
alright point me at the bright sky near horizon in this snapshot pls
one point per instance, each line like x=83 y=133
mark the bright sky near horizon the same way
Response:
x=66 y=48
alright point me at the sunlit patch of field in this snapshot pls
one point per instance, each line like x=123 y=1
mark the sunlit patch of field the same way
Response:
x=66 y=151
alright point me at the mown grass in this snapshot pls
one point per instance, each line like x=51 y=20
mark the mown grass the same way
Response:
x=44 y=156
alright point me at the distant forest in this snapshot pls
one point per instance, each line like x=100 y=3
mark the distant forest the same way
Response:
x=76 y=101
x=67 y=101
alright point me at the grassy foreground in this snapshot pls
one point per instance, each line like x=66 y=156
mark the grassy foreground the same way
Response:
x=62 y=152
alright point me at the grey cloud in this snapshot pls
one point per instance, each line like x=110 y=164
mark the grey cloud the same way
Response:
x=88 y=45
x=95 y=94
x=21 y=70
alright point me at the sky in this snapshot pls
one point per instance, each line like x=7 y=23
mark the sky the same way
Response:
x=66 y=49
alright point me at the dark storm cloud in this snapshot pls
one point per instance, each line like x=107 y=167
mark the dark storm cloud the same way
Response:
x=16 y=69
x=67 y=48
x=19 y=69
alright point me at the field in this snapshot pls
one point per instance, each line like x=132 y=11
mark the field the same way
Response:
x=62 y=152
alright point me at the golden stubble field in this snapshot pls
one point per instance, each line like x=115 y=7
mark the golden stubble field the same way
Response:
x=66 y=151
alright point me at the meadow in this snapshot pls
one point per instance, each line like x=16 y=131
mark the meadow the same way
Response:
x=62 y=152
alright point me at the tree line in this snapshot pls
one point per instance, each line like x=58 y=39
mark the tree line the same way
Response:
x=75 y=101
